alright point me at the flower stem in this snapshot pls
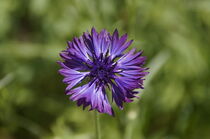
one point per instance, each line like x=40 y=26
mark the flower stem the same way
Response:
x=97 y=126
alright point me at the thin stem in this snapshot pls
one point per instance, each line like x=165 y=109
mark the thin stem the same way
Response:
x=97 y=126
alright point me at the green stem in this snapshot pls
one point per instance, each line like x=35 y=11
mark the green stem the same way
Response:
x=97 y=126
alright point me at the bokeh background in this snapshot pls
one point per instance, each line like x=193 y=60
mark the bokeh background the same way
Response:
x=175 y=37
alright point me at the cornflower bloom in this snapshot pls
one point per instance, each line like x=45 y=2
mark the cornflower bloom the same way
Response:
x=96 y=64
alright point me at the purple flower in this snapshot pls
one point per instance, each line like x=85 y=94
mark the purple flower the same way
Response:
x=95 y=64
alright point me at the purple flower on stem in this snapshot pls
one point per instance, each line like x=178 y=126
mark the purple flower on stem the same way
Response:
x=95 y=63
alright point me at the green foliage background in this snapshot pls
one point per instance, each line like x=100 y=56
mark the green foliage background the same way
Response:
x=174 y=34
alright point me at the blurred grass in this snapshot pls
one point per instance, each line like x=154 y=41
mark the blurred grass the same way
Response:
x=173 y=34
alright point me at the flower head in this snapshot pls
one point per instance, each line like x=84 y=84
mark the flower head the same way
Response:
x=96 y=64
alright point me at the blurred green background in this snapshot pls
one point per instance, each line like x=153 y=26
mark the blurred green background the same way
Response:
x=175 y=36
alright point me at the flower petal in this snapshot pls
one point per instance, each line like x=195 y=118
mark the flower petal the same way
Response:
x=72 y=77
x=118 y=45
x=93 y=96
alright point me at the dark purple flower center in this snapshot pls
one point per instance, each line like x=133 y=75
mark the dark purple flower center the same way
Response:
x=102 y=71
